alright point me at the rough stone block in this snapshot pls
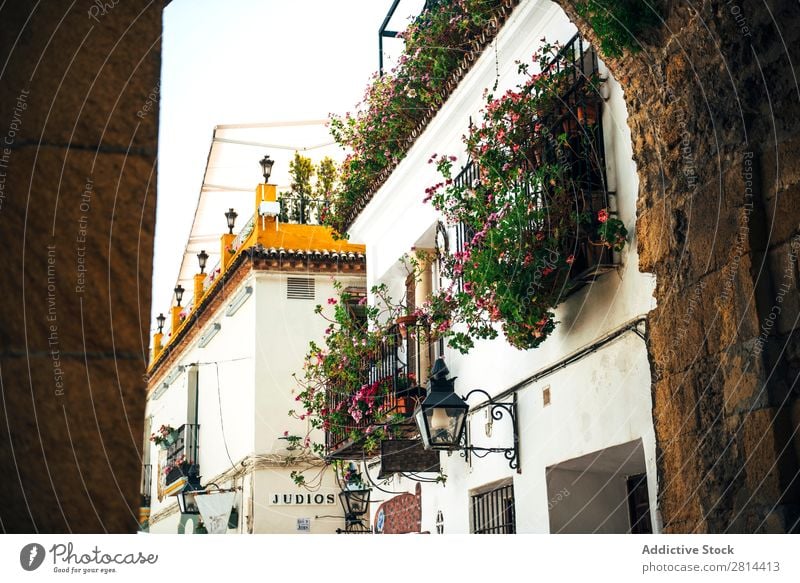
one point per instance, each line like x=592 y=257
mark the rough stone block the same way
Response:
x=74 y=452
x=79 y=252
x=90 y=80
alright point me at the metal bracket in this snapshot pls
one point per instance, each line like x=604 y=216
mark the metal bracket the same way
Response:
x=498 y=410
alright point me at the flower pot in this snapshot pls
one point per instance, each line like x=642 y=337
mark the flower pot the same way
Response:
x=403 y=322
x=170 y=438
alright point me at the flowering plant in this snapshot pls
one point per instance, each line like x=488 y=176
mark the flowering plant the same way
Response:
x=165 y=435
x=336 y=394
x=525 y=212
x=438 y=44
x=612 y=231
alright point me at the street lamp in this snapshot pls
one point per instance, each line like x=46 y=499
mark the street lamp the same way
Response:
x=355 y=499
x=202 y=257
x=161 y=319
x=266 y=167
x=187 y=500
x=231 y=217
x=441 y=418
x=178 y=294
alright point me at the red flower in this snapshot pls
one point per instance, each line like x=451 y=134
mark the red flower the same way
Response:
x=602 y=215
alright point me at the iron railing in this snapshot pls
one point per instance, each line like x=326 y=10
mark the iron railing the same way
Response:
x=396 y=368
x=146 y=486
x=571 y=135
x=182 y=455
x=493 y=512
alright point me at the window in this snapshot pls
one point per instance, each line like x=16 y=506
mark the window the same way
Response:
x=493 y=511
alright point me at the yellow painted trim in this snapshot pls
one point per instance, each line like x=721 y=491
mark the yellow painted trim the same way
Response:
x=175 y=486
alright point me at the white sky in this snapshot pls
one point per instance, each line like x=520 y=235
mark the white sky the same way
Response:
x=250 y=61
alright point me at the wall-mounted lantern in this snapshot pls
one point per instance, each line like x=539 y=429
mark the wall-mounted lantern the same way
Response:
x=355 y=500
x=441 y=417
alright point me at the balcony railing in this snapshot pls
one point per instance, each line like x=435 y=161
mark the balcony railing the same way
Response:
x=396 y=367
x=182 y=457
x=577 y=119
x=146 y=486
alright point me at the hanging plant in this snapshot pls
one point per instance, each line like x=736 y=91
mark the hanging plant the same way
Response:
x=526 y=212
x=335 y=394
x=440 y=45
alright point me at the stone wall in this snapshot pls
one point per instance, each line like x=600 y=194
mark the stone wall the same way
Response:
x=78 y=130
x=714 y=109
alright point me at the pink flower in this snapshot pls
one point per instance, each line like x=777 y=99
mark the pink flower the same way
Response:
x=332 y=301
x=286 y=433
x=570 y=259
x=602 y=215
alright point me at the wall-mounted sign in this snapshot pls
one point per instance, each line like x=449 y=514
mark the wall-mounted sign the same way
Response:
x=302 y=499
x=304 y=525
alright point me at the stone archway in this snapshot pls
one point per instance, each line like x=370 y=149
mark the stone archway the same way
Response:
x=714 y=111
x=78 y=131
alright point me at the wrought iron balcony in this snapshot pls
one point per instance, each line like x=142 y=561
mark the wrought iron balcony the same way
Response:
x=575 y=122
x=395 y=370
x=182 y=455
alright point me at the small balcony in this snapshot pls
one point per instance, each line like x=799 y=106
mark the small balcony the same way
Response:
x=395 y=372
x=181 y=459
x=570 y=134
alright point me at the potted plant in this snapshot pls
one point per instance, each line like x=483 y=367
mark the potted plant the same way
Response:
x=164 y=437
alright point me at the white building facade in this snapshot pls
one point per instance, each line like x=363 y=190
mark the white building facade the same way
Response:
x=586 y=455
x=223 y=381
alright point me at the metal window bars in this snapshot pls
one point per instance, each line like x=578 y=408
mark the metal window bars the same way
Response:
x=182 y=455
x=493 y=512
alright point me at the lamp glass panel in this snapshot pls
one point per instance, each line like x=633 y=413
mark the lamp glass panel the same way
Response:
x=445 y=425
x=419 y=417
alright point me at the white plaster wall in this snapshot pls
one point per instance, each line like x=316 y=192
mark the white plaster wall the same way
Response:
x=225 y=392
x=271 y=518
x=284 y=329
x=600 y=401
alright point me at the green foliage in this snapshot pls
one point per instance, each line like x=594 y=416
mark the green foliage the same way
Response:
x=525 y=212
x=379 y=133
x=618 y=23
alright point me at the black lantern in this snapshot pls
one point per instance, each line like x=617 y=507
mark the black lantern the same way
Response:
x=178 y=294
x=202 y=257
x=441 y=416
x=231 y=216
x=161 y=319
x=354 y=498
x=266 y=167
x=187 y=500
